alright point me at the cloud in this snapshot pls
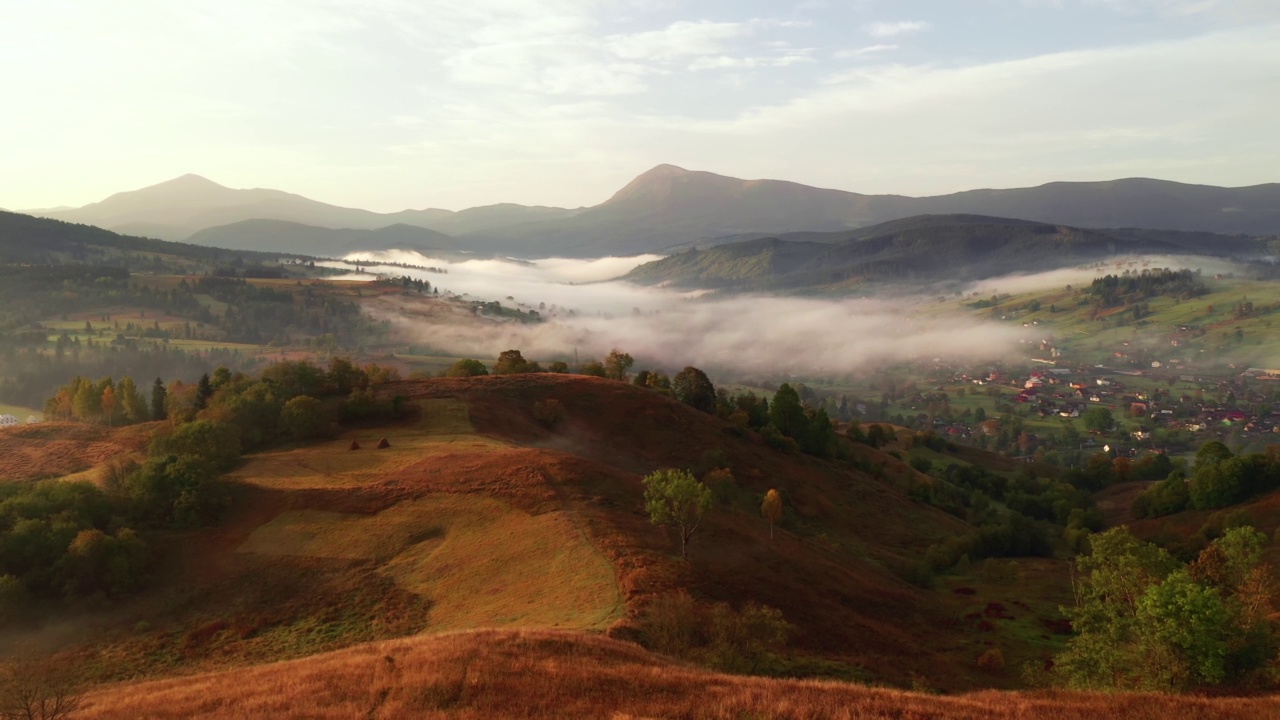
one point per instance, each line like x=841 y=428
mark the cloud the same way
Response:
x=868 y=50
x=677 y=40
x=669 y=329
x=891 y=29
x=723 y=62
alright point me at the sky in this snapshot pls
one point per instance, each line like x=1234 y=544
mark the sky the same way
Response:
x=394 y=104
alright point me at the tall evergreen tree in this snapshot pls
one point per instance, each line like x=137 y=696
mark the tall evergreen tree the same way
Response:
x=158 y=394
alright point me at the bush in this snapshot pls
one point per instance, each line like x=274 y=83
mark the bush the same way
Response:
x=548 y=413
x=744 y=641
x=669 y=624
x=992 y=660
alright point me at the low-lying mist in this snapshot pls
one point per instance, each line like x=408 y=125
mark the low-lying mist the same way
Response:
x=588 y=313
x=1083 y=275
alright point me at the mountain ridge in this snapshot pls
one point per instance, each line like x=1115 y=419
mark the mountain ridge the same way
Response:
x=669 y=206
x=926 y=248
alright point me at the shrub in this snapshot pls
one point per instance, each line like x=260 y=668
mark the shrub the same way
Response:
x=669 y=624
x=992 y=660
x=548 y=413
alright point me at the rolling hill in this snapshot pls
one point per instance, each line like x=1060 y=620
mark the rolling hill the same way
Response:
x=550 y=675
x=32 y=240
x=669 y=207
x=283 y=236
x=913 y=250
x=478 y=516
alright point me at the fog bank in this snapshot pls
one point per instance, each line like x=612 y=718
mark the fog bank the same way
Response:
x=665 y=328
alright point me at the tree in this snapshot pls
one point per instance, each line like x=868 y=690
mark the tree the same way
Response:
x=693 y=387
x=302 y=418
x=109 y=405
x=131 y=401
x=771 y=509
x=467 y=368
x=157 y=400
x=1099 y=419
x=676 y=498
x=38 y=690
x=786 y=414
x=87 y=401
x=1106 y=650
x=510 y=362
x=617 y=364
x=204 y=390
x=593 y=368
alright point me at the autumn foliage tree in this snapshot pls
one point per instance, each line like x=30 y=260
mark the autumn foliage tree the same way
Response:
x=678 y=499
x=771 y=509
x=617 y=364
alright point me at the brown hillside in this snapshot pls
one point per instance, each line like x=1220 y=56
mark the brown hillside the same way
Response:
x=477 y=516
x=31 y=452
x=835 y=578
x=543 y=674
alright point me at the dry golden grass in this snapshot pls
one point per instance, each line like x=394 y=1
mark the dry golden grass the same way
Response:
x=550 y=674
x=29 y=452
x=480 y=561
x=443 y=428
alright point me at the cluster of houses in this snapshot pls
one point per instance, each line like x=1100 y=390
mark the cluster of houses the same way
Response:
x=11 y=421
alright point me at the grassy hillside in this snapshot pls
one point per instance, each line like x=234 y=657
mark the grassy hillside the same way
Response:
x=919 y=249
x=544 y=674
x=478 y=516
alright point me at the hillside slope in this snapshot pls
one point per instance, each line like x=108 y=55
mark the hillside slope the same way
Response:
x=478 y=516
x=553 y=675
x=924 y=248
x=283 y=236
x=31 y=240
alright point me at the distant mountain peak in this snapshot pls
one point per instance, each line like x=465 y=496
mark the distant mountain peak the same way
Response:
x=190 y=180
x=663 y=170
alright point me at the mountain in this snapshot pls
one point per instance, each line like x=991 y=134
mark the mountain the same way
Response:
x=284 y=236
x=919 y=249
x=176 y=209
x=668 y=208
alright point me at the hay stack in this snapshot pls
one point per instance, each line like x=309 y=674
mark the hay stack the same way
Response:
x=383 y=444
x=354 y=445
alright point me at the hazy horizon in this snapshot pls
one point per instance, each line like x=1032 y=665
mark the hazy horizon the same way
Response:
x=388 y=105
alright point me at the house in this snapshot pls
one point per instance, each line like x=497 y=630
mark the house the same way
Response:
x=8 y=421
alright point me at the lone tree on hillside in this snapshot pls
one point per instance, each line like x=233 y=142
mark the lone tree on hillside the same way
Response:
x=771 y=509
x=676 y=498
x=510 y=362
x=617 y=364
x=692 y=387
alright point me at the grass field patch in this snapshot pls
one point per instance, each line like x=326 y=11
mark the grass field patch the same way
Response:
x=479 y=561
x=443 y=427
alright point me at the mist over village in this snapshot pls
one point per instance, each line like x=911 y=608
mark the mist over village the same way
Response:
x=633 y=359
